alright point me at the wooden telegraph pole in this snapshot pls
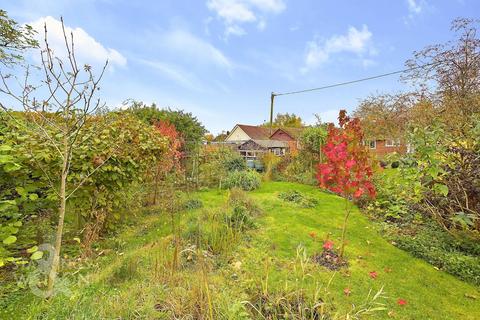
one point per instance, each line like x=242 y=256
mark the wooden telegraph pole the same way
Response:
x=272 y=98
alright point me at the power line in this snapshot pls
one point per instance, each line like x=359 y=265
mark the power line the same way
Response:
x=356 y=81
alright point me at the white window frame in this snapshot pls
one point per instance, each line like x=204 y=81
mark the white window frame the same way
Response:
x=392 y=143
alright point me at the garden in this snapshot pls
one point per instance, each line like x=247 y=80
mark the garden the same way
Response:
x=133 y=214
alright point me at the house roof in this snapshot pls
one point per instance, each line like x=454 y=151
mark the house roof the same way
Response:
x=272 y=143
x=295 y=133
x=255 y=132
x=262 y=144
x=263 y=133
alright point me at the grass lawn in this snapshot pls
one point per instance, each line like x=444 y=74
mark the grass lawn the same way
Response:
x=266 y=260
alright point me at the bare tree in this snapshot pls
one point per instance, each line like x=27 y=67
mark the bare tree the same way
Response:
x=60 y=118
x=454 y=70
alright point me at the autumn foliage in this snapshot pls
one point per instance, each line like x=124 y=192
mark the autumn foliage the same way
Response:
x=347 y=169
x=172 y=159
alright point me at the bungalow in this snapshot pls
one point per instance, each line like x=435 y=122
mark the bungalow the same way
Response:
x=383 y=147
x=253 y=141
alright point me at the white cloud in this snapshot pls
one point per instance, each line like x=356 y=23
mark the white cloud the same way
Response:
x=87 y=49
x=235 y=30
x=237 y=12
x=174 y=73
x=275 y=6
x=262 y=24
x=193 y=48
x=354 y=41
x=414 y=7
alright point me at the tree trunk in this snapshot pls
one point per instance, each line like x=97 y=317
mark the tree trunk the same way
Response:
x=344 y=228
x=61 y=217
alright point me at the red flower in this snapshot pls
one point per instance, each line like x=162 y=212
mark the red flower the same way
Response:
x=402 y=302
x=347 y=291
x=328 y=245
x=373 y=274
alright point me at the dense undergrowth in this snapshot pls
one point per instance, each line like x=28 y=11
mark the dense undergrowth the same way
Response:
x=409 y=228
x=217 y=266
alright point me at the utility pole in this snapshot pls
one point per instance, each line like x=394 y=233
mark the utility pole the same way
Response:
x=272 y=98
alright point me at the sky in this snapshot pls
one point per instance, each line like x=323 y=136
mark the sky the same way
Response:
x=221 y=59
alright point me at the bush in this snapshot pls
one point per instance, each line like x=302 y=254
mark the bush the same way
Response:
x=192 y=204
x=238 y=197
x=240 y=218
x=218 y=230
x=299 y=168
x=235 y=164
x=216 y=163
x=298 y=198
x=246 y=180
x=434 y=245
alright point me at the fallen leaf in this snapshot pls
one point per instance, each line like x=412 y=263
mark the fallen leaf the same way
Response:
x=401 y=302
x=328 y=245
x=471 y=296
x=373 y=274
x=347 y=291
x=237 y=265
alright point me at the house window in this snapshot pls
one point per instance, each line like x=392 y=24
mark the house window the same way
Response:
x=392 y=143
x=372 y=144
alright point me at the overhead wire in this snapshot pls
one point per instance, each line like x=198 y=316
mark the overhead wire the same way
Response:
x=357 y=80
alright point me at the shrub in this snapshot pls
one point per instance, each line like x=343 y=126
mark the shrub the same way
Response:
x=235 y=164
x=434 y=245
x=238 y=197
x=246 y=180
x=298 y=198
x=192 y=204
x=270 y=162
x=240 y=218
x=216 y=163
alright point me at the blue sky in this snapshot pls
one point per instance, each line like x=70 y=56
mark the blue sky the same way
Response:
x=220 y=59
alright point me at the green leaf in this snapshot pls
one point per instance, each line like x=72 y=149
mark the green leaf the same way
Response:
x=33 y=196
x=36 y=255
x=440 y=189
x=6 y=158
x=32 y=249
x=5 y=147
x=17 y=224
x=21 y=191
x=9 y=167
x=9 y=240
x=7 y=204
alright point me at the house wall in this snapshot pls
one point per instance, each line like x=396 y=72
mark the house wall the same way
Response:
x=237 y=135
x=281 y=136
x=382 y=150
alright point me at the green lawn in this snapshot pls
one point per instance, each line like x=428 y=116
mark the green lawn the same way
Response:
x=267 y=260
